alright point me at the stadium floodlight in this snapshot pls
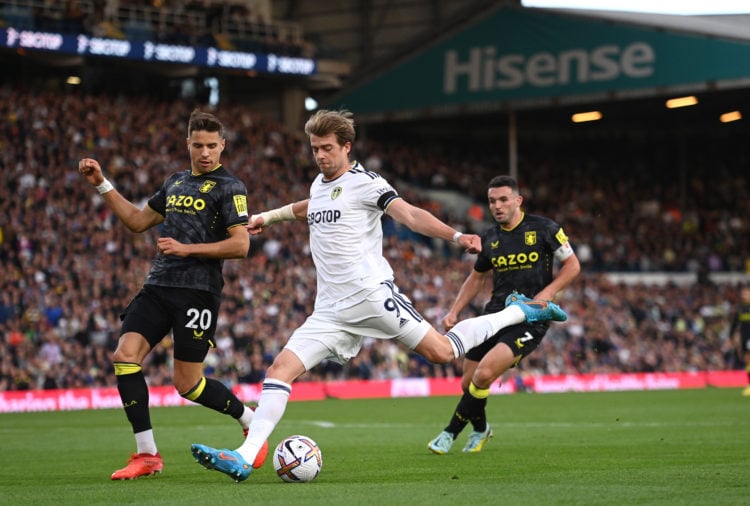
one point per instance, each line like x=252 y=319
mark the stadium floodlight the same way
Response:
x=212 y=83
x=728 y=117
x=311 y=104
x=674 y=103
x=583 y=117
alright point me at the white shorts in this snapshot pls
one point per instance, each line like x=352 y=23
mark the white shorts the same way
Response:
x=336 y=332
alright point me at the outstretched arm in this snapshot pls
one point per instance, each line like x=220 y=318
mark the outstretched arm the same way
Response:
x=137 y=220
x=425 y=223
x=294 y=211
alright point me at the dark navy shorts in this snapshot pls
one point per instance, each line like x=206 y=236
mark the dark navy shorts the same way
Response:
x=190 y=315
x=522 y=340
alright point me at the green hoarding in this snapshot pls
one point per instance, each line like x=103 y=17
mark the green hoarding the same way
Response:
x=518 y=54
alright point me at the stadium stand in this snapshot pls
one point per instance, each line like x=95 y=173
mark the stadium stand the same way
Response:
x=228 y=24
x=59 y=303
x=617 y=197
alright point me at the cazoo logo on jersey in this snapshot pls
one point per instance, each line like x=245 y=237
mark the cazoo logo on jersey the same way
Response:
x=515 y=261
x=185 y=202
x=323 y=216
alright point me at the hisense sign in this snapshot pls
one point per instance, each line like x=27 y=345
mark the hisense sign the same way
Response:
x=487 y=68
x=517 y=57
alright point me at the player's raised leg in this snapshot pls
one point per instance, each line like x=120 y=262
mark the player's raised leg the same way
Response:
x=474 y=331
x=536 y=310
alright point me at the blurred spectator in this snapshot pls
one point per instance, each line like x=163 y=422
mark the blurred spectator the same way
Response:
x=224 y=23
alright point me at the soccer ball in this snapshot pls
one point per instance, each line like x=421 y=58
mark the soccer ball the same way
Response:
x=297 y=459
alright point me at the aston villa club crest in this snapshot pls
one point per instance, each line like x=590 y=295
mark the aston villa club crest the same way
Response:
x=529 y=238
x=207 y=186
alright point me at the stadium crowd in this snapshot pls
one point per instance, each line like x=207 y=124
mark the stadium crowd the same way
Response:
x=68 y=267
x=226 y=24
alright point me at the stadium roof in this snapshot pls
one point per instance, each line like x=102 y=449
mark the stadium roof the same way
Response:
x=734 y=26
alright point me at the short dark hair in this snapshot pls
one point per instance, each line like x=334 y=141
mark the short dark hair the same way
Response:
x=204 y=121
x=504 y=180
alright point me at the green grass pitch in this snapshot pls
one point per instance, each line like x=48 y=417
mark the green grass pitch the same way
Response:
x=687 y=447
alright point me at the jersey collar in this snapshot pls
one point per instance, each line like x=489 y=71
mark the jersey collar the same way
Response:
x=205 y=173
x=523 y=215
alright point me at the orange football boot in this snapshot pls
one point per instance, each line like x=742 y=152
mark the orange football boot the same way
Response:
x=139 y=464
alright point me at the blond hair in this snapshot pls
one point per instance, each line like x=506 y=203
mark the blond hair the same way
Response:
x=339 y=123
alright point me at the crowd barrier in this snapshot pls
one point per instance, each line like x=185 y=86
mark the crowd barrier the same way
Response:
x=104 y=398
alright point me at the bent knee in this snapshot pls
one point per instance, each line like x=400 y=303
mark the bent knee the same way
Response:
x=438 y=354
x=444 y=356
x=121 y=355
x=131 y=347
x=483 y=378
x=436 y=348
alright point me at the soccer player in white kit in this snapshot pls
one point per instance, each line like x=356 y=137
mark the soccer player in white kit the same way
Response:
x=356 y=293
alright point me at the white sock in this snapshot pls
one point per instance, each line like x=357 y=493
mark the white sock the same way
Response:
x=474 y=331
x=271 y=407
x=145 y=442
x=246 y=418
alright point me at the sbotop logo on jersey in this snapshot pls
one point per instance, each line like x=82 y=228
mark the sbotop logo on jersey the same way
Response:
x=323 y=216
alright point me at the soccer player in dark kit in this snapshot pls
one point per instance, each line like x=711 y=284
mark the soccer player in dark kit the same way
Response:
x=741 y=326
x=518 y=254
x=203 y=213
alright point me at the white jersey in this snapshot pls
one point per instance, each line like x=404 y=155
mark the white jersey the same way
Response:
x=346 y=233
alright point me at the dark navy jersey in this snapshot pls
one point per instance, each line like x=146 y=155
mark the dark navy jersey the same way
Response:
x=741 y=321
x=521 y=259
x=197 y=209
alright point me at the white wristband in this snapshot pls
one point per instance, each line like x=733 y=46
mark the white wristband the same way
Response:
x=456 y=236
x=105 y=187
x=276 y=215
